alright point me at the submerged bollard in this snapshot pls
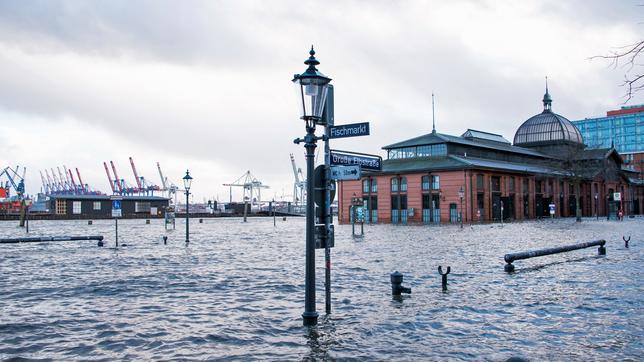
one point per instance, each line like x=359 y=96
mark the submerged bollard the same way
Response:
x=100 y=243
x=396 y=284
x=89 y=222
x=165 y=240
x=147 y=221
x=444 y=276
x=284 y=218
x=201 y=221
x=626 y=240
x=509 y=258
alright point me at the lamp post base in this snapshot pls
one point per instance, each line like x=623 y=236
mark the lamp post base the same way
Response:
x=310 y=318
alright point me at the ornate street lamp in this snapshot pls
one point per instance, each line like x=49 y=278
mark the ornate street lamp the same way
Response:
x=187 y=181
x=312 y=87
x=461 y=194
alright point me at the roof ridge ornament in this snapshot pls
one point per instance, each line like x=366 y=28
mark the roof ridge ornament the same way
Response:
x=547 y=99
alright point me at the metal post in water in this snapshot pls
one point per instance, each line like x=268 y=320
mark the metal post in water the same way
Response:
x=187 y=218
x=245 y=208
x=310 y=315
x=116 y=231
x=327 y=202
x=443 y=276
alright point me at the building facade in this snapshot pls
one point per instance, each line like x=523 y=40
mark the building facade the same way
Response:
x=100 y=206
x=622 y=129
x=482 y=177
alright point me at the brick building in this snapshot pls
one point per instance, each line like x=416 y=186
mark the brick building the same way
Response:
x=422 y=179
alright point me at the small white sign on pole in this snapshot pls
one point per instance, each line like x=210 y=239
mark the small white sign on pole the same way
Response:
x=617 y=196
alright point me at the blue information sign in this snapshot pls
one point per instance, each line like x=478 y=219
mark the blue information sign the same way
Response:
x=366 y=162
x=116 y=204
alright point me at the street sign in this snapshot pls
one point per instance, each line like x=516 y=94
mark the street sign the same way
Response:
x=116 y=208
x=617 y=196
x=349 y=130
x=552 y=209
x=345 y=172
x=368 y=162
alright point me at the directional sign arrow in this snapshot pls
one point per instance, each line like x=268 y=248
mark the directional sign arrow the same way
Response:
x=345 y=172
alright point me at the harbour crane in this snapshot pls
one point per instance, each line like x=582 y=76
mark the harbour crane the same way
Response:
x=12 y=176
x=117 y=181
x=109 y=177
x=136 y=175
x=250 y=185
x=299 y=186
x=84 y=188
x=45 y=185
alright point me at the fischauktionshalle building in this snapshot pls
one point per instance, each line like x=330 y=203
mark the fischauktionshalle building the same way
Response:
x=423 y=178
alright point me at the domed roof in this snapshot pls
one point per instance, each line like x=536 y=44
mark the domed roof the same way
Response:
x=547 y=127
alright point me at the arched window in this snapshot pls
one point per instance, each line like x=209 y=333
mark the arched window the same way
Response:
x=374 y=185
x=403 y=184
x=365 y=186
x=394 y=184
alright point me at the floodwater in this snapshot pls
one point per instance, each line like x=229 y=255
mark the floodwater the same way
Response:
x=237 y=292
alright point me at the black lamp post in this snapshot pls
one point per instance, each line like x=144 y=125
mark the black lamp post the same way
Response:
x=596 y=206
x=312 y=88
x=461 y=194
x=187 y=180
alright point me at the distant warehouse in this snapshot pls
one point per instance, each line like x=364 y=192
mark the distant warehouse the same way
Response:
x=100 y=206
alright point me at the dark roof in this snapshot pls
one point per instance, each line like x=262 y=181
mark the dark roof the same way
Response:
x=435 y=138
x=451 y=162
x=598 y=154
x=484 y=136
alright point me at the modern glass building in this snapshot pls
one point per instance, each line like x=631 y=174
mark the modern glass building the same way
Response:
x=622 y=129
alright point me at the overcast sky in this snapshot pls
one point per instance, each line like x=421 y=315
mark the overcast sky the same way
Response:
x=206 y=85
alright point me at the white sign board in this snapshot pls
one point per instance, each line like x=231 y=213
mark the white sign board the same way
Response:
x=617 y=196
x=345 y=172
x=116 y=207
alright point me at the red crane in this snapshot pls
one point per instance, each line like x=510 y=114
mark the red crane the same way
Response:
x=80 y=180
x=116 y=177
x=136 y=176
x=71 y=177
x=107 y=171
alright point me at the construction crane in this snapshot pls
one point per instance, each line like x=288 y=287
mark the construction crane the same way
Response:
x=250 y=184
x=299 y=186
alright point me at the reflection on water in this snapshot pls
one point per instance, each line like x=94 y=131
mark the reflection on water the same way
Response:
x=237 y=291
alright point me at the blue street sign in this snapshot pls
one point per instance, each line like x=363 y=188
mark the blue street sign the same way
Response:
x=347 y=158
x=116 y=204
x=349 y=130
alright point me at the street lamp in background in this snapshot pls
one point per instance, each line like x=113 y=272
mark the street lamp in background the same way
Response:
x=312 y=88
x=596 y=206
x=187 y=180
x=461 y=194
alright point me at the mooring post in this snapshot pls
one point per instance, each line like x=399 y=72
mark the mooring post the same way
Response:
x=89 y=222
x=396 y=284
x=147 y=221
x=165 y=240
x=626 y=240
x=602 y=249
x=443 y=276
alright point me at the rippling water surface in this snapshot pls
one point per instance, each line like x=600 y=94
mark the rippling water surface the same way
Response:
x=237 y=292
